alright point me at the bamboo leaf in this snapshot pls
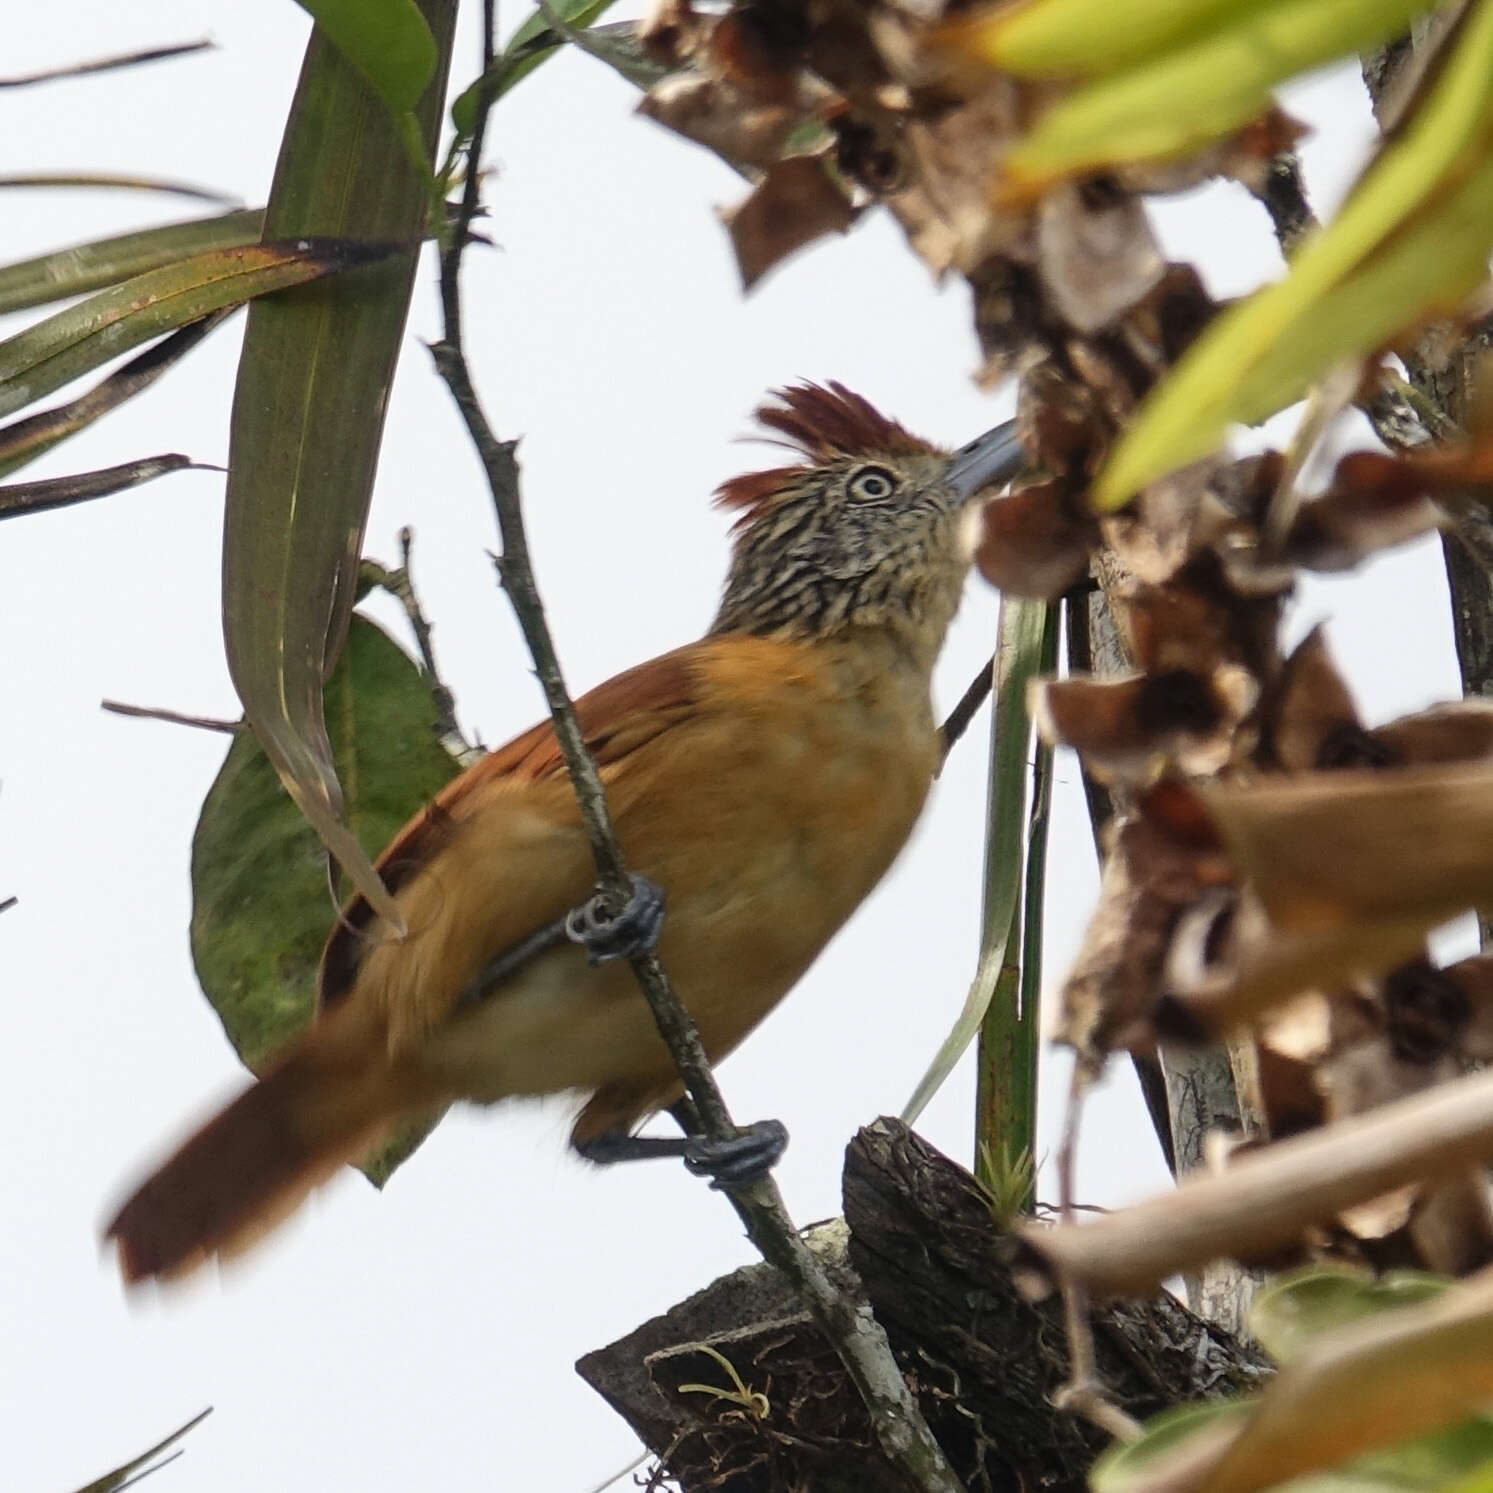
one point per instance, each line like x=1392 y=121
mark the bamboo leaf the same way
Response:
x=1412 y=238
x=17 y=498
x=260 y=907
x=77 y=340
x=1018 y=660
x=22 y=441
x=313 y=386
x=83 y=267
x=534 y=42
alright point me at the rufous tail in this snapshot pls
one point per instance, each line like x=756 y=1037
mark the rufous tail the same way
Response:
x=247 y=1170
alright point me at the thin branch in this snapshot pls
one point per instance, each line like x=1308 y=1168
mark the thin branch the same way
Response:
x=400 y=584
x=108 y=64
x=7 y=903
x=172 y=717
x=858 y=1338
x=963 y=714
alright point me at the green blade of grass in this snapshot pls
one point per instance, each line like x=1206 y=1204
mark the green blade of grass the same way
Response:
x=1021 y=637
x=80 y=268
x=308 y=412
x=1006 y=1065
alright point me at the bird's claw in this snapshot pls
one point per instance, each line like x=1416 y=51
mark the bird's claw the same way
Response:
x=745 y=1157
x=634 y=930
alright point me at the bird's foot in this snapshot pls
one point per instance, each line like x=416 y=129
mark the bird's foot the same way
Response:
x=605 y=936
x=742 y=1158
x=747 y=1156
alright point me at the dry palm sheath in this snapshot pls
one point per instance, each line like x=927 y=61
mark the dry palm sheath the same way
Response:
x=766 y=776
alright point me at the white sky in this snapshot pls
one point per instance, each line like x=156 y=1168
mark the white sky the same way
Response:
x=424 y=1338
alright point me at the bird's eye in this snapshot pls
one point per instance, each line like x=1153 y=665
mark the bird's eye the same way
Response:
x=872 y=482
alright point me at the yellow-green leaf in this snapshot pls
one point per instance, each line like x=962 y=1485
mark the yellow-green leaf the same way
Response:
x=73 y=342
x=308 y=413
x=1182 y=100
x=1412 y=239
x=1087 y=38
x=83 y=267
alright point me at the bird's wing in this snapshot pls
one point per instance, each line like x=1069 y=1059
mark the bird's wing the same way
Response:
x=616 y=718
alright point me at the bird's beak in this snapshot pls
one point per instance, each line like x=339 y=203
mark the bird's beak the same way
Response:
x=986 y=461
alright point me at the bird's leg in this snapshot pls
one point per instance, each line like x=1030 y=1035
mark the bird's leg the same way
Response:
x=741 y=1158
x=606 y=936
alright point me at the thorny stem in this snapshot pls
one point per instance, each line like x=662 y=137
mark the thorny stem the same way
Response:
x=857 y=1337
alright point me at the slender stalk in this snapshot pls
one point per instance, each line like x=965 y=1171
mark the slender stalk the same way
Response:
x=857 y=1337
x=1006 y=1065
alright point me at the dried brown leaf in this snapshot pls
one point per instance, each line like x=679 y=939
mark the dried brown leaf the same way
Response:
x=1031 y=543
x=1096 y=254
x=719 y=116
x=796 y=202
x=1309 y=719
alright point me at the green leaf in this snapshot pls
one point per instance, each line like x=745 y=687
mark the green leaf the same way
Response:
x=1292 y=1311
x=260 y=900
x=388 y=41
x=1412 y=238
x=533 y=42
x=83 y=267
x=1130 y=1467
x=1018 y=660
x=73 y=342
x=23 y=440
x=17 y=498
x=313 y=387
x=1180 y=101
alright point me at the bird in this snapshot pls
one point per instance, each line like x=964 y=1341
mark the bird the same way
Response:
x=761 y=779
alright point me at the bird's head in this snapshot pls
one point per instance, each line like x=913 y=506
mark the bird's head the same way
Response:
x=863 y=531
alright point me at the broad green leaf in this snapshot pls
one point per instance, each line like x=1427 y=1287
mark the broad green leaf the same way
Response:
x=1084 y=38
x=1018 y=661
x=1183 y=100
x=388 y=41
x=23 y=440
x=308 y=414
x=73 y=342
x=84 y=267
x=137 y=1467
x=1412 y=237
x=533 y=42
x=1291 y=1311
x=261 y=905
x=17 y=498
x=1130 y=1467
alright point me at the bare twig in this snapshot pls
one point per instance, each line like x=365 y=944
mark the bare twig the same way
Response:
x=172 y=717
x=108 y=64
x=7 y=903
x=400 y=584
x=963 y=714
x=856 y=1335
